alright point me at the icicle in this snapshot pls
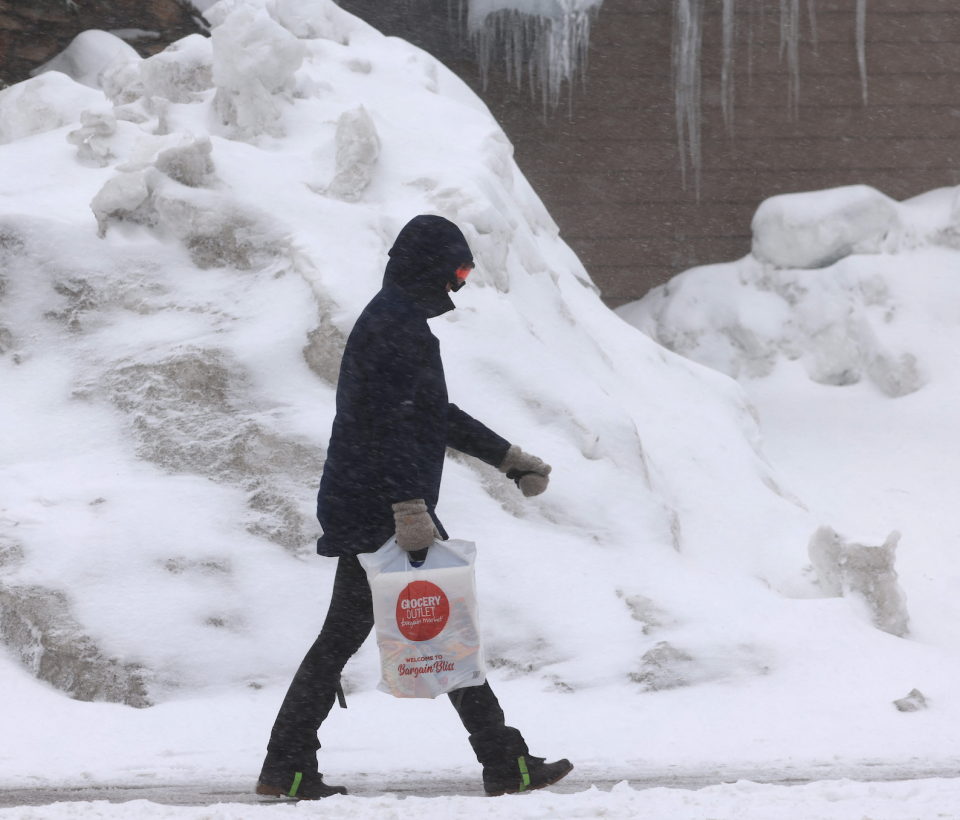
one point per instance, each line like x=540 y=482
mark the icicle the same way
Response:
x=790 y=43
x=687 y=42
x=726 y=77
x=551 y=36
x=862 y=45
x=814 y=38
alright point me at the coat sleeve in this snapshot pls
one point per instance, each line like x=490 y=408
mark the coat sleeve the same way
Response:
x=466 y=434
x=394 y=369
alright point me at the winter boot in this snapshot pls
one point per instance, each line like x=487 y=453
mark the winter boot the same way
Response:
x=525 y=774
x=301 y=785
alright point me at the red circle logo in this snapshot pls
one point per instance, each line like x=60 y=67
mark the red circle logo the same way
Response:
x=422 y=611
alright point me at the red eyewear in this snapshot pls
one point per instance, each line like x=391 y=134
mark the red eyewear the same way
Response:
x=463 y=272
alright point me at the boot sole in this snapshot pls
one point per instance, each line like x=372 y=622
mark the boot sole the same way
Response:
x=274 y=791
x=557 y=779
x=269 y=791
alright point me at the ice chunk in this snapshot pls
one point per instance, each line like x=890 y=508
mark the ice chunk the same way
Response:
x=122 y=83
x=181 y=71
x=835 y=355
x=88 y=54
x=91 y=138
x=122 y=197
x=189 y=163
x=358 y=147
x=41 y=104
x=868 y=573
x=913 y=702
x=252 y=47
x=896 y=376
x=816 y=228
x=313 y=19
x=864 y=573
x=254 y=57
x=824 y=549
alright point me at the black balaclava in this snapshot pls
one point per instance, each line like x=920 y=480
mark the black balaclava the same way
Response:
x=424 y=258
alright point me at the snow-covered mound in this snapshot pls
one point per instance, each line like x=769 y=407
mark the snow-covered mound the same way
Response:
x=183 y=255
x=854 y=368
x=178 y=307
x=865 y=311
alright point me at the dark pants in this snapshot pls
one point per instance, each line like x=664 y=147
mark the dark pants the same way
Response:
x=293 y=741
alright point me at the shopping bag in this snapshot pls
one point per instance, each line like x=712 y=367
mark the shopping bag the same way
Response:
x=426 y=619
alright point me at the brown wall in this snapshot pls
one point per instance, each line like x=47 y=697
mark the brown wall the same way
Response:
x=34 y=31
x=609 y=171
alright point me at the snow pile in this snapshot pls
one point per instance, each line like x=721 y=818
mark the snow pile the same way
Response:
x=183 y=256
x=824 y=285
x=852 y=368
x=245 y=190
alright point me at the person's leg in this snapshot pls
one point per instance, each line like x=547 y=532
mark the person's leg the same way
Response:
x=293 y=742
x=508 y=766
x=494 y=743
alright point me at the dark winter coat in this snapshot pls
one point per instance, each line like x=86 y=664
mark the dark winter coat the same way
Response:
x=394 y=420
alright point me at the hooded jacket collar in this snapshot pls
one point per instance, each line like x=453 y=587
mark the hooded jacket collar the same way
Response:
x=423 y=259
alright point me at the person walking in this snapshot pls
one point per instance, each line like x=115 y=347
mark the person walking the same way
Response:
x=382 y=478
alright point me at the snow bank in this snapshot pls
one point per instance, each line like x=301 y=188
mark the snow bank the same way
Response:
x=831 y=283
x=829 y=800
x=245 y=190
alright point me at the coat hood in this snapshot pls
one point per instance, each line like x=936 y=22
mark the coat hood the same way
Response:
x=424 y=258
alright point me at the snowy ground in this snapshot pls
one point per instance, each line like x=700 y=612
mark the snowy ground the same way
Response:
x=833 y=800
x=182 y=250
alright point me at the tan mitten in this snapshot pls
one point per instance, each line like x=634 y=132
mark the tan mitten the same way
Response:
x=415 y=527
x=530 y=472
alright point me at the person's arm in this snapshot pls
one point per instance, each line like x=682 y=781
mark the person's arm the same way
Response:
x=466 y=434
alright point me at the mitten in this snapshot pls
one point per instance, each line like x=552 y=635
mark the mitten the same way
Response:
x=530 y=472
x=415 y=527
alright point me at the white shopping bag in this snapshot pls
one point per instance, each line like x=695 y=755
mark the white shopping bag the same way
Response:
x=426 y=619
